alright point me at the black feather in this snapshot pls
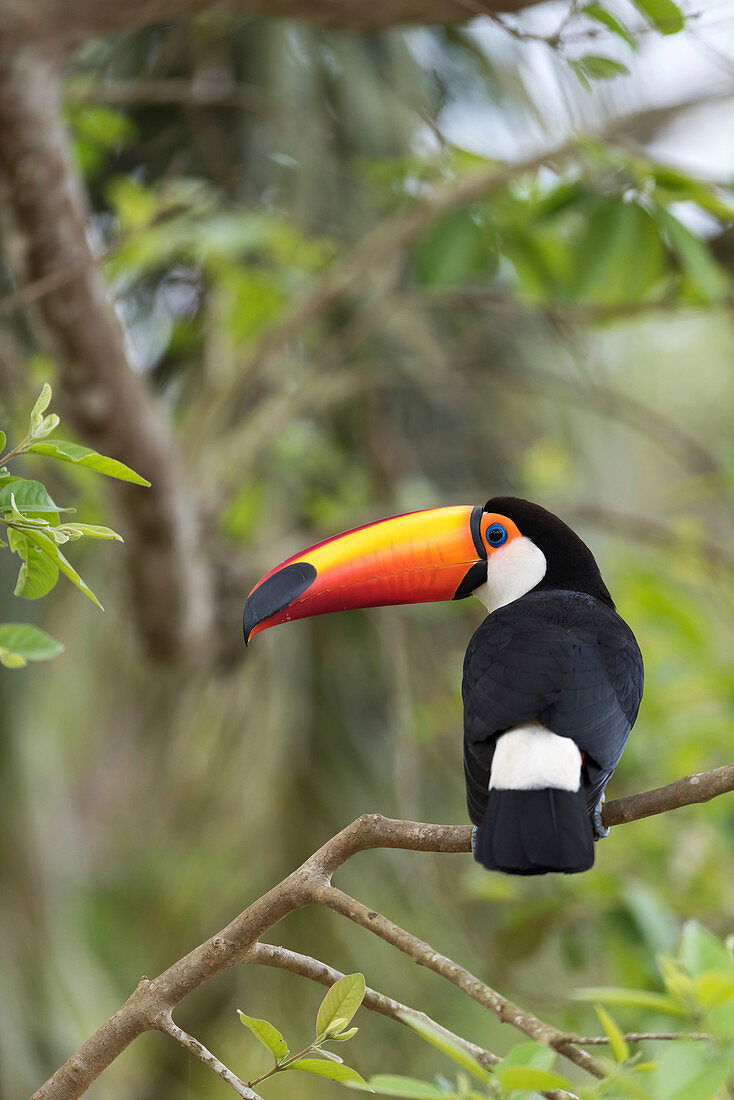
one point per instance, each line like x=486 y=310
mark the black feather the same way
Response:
x=534 y=832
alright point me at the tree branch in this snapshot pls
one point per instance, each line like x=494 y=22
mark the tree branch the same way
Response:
x=71 y=21
x=689 y=791
x=425 y=955
x=149 y=1007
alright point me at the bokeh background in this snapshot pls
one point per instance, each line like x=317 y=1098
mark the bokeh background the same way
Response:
x=568 y=339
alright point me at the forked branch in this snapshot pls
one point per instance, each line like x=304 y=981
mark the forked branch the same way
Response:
x=150 y=1007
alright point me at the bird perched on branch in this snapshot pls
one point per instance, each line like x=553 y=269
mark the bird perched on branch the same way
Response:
x=552 y=677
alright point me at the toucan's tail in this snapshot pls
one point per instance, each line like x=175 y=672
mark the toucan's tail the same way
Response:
x=536 y=818
x=533 y=832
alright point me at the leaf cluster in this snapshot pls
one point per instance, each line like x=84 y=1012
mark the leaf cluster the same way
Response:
x=334 y=1015
x=36 y=533
x=606 y=234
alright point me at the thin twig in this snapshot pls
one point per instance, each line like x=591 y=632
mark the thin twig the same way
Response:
x=643 y=1037
x=267 y=954
x=170 y=1028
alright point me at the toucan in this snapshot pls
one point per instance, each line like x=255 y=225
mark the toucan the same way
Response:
x=552 y=678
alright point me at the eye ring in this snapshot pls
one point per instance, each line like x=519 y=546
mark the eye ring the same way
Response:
x=496 y=535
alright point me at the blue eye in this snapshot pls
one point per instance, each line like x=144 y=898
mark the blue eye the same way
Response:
x=496 y=535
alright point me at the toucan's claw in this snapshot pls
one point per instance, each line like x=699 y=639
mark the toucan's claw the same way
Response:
x=600 y=831
x=474 y=839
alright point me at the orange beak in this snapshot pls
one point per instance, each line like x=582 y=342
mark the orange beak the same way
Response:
x=421 y=557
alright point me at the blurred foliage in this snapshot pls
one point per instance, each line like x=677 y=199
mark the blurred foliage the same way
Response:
x=699 y=984
x=35 y=531
x=569 y=340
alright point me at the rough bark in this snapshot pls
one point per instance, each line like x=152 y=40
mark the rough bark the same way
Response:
x=70 y=21
x=106 y=402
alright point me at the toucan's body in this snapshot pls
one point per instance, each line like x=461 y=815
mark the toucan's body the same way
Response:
x=552 y=677
x=552 y=664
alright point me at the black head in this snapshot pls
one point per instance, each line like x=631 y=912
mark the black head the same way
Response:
x=570 y=563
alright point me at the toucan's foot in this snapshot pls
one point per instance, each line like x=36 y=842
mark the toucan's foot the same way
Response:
x=600 y=831
x=474 y=839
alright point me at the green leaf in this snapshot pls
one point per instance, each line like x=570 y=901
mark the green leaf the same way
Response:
x=3 y=439
x=686 y=1073
x=268 y=1035
x=48 y=424
x=11 y=660
x=393 y=1084
x=620 y=256
x=437 y=1038
x=601 y=15
x=617 y=1041
x=664 y=15
x=531 y=1054
x=84 y=456
x=344 y=1035
x=714 y=988
x=720 y=1021
x=580 y=72
x=48 y=547
x=457 y=249
x=701 y=950
x=21 y=642
x=87 y=530
x=635 y=998
x=602 y=68
x=136 y=206
x=705 y=277
x=340 y=1003
x=42 y=403
x=30 y=496
x=677 y=982
x=38 y=574
x=673 y=185
x=527 y=1077
x=336 y=1071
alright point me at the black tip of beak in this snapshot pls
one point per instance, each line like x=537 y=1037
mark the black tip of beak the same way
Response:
x=275 y=593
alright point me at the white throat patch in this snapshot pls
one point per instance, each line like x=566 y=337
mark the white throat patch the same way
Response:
x=511 y=572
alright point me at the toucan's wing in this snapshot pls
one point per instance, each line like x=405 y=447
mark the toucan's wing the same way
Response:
x=580 y=677
x=514 y=671
x=612 y=716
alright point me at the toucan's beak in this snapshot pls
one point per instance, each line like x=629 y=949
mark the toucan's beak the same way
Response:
x=421 y=557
